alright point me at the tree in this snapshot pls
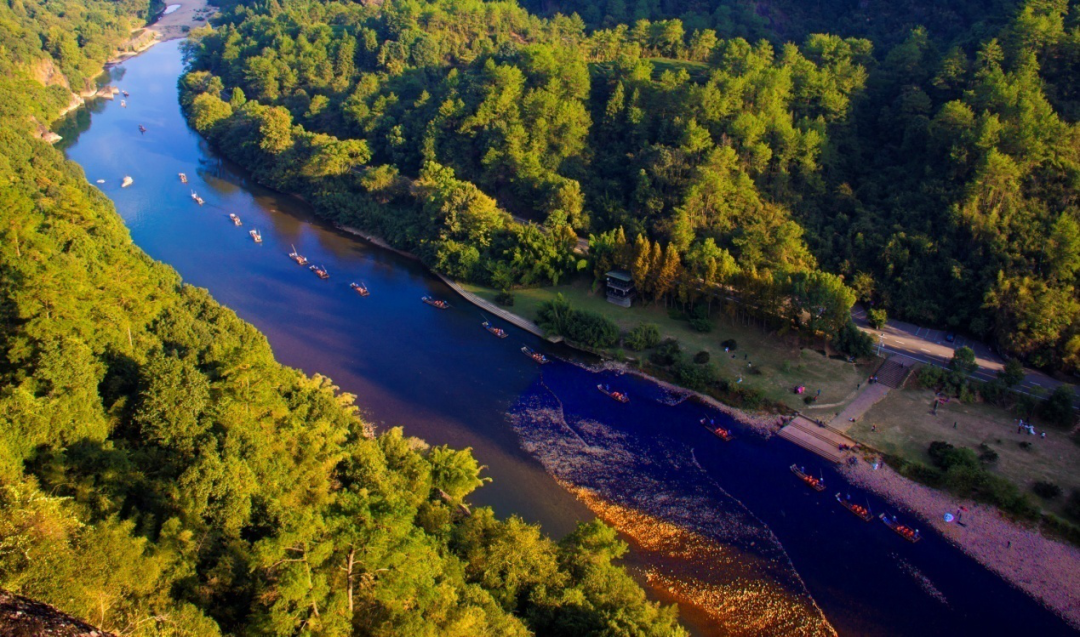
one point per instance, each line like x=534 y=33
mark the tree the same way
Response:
x=1058 y=408
x=1012 y=374
x=963 y=362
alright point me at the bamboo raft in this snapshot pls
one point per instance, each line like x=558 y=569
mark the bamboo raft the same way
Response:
x=714 y=429
x=817 y=484
x=858 y=510
x=614 y=395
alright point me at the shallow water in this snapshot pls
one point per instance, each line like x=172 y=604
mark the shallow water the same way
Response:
x=445 y=379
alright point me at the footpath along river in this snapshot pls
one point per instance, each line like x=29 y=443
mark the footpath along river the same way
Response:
x=769 y=555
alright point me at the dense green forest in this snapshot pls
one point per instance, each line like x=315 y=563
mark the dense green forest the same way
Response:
x=920 y=157
x=161 y=474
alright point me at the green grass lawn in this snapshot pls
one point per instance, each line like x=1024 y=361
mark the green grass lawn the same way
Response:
x=906 y=427
x=780 y=359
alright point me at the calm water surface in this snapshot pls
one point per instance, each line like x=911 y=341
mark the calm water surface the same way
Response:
x=445 y=379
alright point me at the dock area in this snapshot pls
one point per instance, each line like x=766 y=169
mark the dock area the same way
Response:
x=820 y=439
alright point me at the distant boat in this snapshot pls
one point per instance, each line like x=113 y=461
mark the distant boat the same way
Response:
x=360 y=288
x=196 y=197
x=903 y=530
x=535 y=355
x=123 y=103
x=615 y=395
x=101 y=181
x=810 y=481
x=127 y=181
x=497 y=331
x=254 y=234
x=719 y=432
x=296 y=256
x=126 y=94
x=320 y=272
x=434 y=302
x=183 y=178
x=236 y=220
x=142 y=129
x=859 y=510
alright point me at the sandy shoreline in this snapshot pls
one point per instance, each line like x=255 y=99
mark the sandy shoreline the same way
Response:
x=171 y=26
x=1043 y=568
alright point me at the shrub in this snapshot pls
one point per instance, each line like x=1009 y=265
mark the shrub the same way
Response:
x=1058 y=408
x=853 y=341
x=1026 y=446
x=702 y=325
x=643 y=337
x=963 y=361
x=1046 y=490
x=986 y=454
x=1012 y=374
x=697 y=377
x=505 y=298
x=592 y=329
x=701 y=357
x=668 y=353
x=931 y=376
x=1072 y=506
x=994 y=392
x=876 y=318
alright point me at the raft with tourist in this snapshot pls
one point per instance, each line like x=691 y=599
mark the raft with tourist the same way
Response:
x=195 y=196
x=360 y=288
x=817 y=484
x=535 y=355
x=614 y=395
x=901 y=529
x=434 y=302
x=235 y=219
x=296 y=256
x=861 y=512
x=716 y=430
x=127 y=181
x=497 y=331
x=320 y=272
x=255 y=235
x=183 y=178
x=142 y=129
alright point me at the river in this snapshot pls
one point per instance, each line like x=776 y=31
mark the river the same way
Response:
x=445 y=379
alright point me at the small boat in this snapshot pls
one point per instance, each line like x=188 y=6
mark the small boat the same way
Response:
x=719 y=432
x=616 y=395
x=255 y=235
x=903 y=530
x=196 y=197
x=535 y=355
x=101 y=181
x=360 y=288
x=296 y=256
x=235 y=219
x=497 y=331
x=142 y=129
x=126 y=94
x=127 y=181
x=123 y=103
x=320 y=272
x=183 y=178
x=859 y=510
x=434 y=302
x=816 y=484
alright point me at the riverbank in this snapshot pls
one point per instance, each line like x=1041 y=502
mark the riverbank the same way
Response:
x=1043 y=568
x=178 y=23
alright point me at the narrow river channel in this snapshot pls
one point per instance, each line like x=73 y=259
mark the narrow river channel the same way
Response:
x=445 y=379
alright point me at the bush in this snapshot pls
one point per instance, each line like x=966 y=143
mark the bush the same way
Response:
x=505 y=298
x=730 y=345
x=1013 y=373
x=591 y=329
x=986 y=454
x=994 y=392
x=643 y=337
x=702 y=325
x=702 y=357
x=853 y=341
x=876 y=318
x=696 y=377
x=932 y=376
x=1072 y=506
x=669 y=353
x=1058 y=408
x=1046 y=490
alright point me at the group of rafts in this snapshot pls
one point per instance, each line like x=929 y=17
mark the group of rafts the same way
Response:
x=858 y=510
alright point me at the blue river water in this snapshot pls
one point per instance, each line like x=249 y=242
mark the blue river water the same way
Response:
x=445 y=379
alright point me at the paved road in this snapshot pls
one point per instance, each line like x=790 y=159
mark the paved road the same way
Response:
x=927 y=345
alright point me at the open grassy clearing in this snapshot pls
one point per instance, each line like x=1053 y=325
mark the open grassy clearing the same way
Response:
x=781 y=361
x=906 y=427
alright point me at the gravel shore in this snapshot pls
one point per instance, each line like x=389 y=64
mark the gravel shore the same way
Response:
x=1046 y=569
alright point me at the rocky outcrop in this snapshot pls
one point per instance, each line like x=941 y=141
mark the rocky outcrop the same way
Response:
x=24 y=617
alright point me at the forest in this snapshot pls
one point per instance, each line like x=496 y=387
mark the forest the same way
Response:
x=161 y=474
x=916 y=156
